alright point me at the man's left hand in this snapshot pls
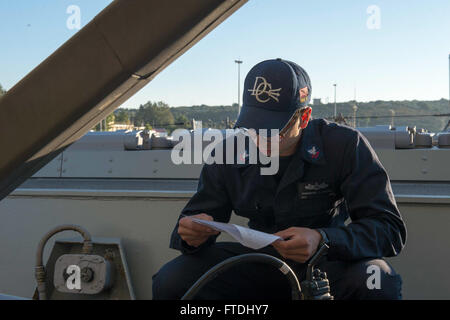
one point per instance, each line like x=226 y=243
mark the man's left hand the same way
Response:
x=299 y=243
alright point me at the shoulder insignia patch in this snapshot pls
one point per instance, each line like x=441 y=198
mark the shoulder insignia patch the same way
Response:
x=313 y=152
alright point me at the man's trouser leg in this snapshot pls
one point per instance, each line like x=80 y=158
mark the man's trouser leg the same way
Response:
x=243 y=281
x=367 y=279
x=348 y=280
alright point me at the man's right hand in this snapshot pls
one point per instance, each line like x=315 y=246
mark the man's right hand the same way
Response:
x=194 y=234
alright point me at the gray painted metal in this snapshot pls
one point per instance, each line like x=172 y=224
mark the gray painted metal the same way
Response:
x=104 y=156
x=444 y=140
x=387 y=137
x=109 y=249
x=8 y=297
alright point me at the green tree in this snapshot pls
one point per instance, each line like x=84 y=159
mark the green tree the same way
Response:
x=155 y=114
x=110 y=120
x=122 y=117
x=2 y=91
x=182 y=121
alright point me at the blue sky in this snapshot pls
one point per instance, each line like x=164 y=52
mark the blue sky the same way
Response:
x=406 y=58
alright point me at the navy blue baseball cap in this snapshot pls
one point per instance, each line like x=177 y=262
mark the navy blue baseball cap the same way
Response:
x=273 y=91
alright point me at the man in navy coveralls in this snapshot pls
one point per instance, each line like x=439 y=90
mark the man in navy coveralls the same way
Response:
x=327 y=174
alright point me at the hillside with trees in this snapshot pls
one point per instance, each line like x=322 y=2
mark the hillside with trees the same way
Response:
x=399 y=113
x=430 y=115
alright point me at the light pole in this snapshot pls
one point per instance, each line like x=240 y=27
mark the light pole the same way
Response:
x=355 y=108
x=335 y=107
x=239 y=62
x=392 y=117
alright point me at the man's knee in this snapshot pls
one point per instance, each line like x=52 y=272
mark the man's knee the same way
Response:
x=373 y=279
x=166 y=285
x=173 y=280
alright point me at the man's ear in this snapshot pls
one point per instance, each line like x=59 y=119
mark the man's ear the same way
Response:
x=304 y=119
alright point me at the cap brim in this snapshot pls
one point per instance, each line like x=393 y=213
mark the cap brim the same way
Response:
x=259 y=118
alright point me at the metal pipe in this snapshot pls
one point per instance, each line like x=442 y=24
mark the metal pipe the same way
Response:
x=245 y=258
x=335 y=105
x=40 y=274
x=239 y=62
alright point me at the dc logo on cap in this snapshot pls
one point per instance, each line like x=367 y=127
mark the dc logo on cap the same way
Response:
x=262 y=87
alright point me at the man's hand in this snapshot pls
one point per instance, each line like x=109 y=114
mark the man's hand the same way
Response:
x=194 y=233
x=299 y=243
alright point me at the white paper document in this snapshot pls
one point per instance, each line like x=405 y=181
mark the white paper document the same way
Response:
x=248 y=237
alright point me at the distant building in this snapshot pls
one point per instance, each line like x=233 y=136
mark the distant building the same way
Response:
x=317 y=101
x=122 y=126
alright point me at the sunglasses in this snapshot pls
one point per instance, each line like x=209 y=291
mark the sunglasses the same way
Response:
x=298 y=113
